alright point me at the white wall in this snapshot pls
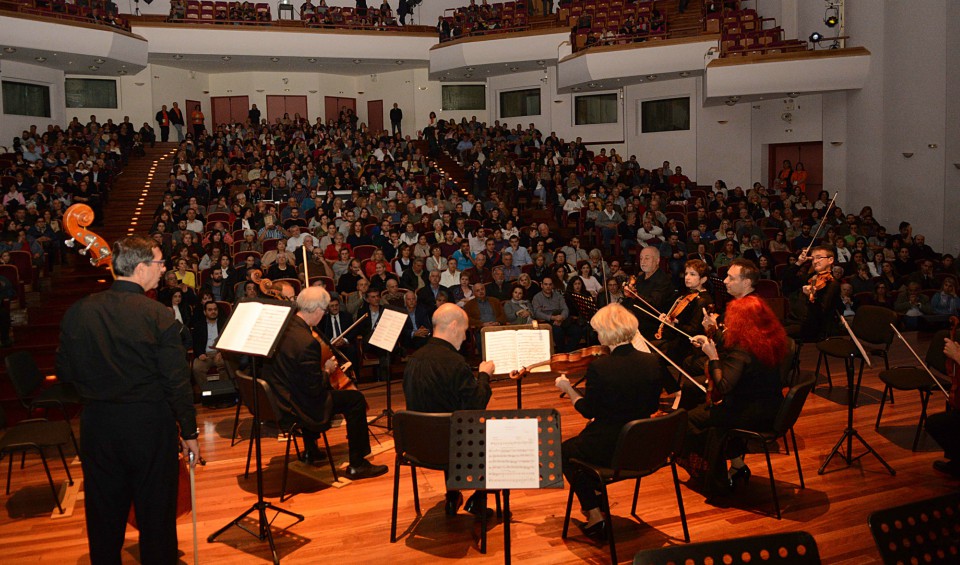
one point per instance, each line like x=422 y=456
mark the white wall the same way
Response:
x=11 y=125
x=951 y=146
x=678 y=147
x=724 y=149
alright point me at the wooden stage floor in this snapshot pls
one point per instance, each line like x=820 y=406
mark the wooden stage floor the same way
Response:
x=351 y=524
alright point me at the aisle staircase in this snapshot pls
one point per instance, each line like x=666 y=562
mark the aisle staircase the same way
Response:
x=135 y=194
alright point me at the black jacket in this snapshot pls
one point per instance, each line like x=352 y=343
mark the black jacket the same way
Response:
x=296 y=375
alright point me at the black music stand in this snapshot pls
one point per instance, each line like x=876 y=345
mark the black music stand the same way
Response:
x=387 y=413
x=254 y=329
x=469 y=463
x=849 y=362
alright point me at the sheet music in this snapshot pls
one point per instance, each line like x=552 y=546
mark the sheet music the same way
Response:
x=639 y=343
x=253 y=328
x=388 y=329
x=511 y=350
x=512 y=456
x=533 y=346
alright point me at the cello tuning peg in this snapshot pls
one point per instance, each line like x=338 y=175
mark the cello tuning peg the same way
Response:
x=82 y=251
x=70 y=242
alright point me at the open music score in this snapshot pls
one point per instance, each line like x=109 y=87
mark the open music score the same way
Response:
x=512 y=459
x=514 y=349
x=254 y=327
x=388 y=329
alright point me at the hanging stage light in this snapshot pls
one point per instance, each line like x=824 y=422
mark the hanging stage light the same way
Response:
x=832 y=19
x=816 y=37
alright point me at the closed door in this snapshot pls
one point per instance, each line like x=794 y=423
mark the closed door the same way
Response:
x=228 y=109
x=280 y=106
x=375 y=115
x=333 y=105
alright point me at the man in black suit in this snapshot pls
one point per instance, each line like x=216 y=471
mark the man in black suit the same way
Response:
x=205 y=332
x=396 y=116
x=428 y=294
x=418 y=327
x=332 y=327
x=654 y=286
x=302 y=388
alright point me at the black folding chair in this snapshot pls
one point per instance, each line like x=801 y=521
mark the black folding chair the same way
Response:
x=28 y=384
x=644 y=447
x=35 y=435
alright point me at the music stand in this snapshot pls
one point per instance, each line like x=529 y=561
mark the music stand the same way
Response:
x=849 y=362
x=387 y=333
x=254 y=329
x=471 y=465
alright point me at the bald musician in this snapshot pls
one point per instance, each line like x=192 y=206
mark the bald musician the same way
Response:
x=438 y=379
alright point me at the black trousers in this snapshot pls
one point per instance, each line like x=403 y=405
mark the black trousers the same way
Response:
x=352 y=405
x=164 y=133
x=595 y=444
x=395 y=127
x=945 y=429
x=130 y=456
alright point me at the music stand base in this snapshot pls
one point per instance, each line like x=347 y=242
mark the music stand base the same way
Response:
x=260 y=508
x=848 y=435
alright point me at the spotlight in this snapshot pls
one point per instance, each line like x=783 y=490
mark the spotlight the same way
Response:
x=816 y=37
x=831 y=20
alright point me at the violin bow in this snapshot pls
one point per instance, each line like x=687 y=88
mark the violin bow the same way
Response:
x=922 y=364
x=657 y=318
x=823 y=221
x=306 y=268
x=673 y=364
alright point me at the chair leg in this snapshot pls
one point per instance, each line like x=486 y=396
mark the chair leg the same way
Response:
x=605 y=507
x=10 y=473
x=773 y=482
x=65 y=467
x=816 y=372
x=826 y=365
x=326 y=446
x=636 y=495
x=796 y=453
x=396 y=496
x=236 y=425
x=883 y=401
x=291 y=438
x=46 y=468
x=924 y=398
x=416 y=489
x=683 y=514
x=566 y=515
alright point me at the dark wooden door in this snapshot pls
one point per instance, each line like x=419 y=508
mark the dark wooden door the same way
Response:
x=333 y=105
x=375 y=115
x=809 y=153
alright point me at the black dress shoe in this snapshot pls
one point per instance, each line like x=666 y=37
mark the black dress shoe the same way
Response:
x=473 y=506
x=597 y=532
x=949 y=467
x=365 y=470
x=740 y=476
x=318 y=458
x=454 y=500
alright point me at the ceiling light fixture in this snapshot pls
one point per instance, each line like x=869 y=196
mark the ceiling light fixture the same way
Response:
x=275 y=59
x=99 y=61
x=178 y=56
x=226 y=57
x=9 y=49
x=121 y=72
x=40 y=59
x=684 y=74
x=93 y=68
x=311 y=60
x=651 y=77
x=399 y=61
x=356 y=61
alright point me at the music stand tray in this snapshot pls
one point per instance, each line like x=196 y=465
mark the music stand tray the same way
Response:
x=254 y=329
x=473 y=459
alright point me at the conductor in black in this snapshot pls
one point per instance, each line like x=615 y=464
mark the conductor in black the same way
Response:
x=123 y=353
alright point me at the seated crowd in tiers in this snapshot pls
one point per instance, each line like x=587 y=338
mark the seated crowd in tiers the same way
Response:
x=95 y=11
x=44 y=173
x=314 y=14
x=378 y=225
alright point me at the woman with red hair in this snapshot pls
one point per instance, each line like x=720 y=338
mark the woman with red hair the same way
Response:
x=746 y=372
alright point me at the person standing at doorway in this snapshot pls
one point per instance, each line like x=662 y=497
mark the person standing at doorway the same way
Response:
x=396 y=116
x=163 y=118
x=176 y=119
x=196 y=117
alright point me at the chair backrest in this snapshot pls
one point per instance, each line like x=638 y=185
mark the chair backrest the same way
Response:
x=423 y=438
x=266 y=402
x=646 y=445
x=792 y=406
x=789 y=372
x=797 y=548
x=935 y=359
x=872 y=324
x=919 y=532
x=23 y=373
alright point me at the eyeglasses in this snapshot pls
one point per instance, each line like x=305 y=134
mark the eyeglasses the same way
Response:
x=821 y=257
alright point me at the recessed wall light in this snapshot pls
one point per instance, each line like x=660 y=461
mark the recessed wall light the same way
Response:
x=275 y=59
x=684 y=74
x=399 y=61
x=40 y=59
x=9 y=49
x=356 y=61
x=121 y=72
x=311 y=60
x=651 y=77
x=178 y=56
x=93 y=68
x=99 y=61
x=226 y=57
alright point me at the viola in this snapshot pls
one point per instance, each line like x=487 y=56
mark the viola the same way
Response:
x=953 y=370
x=75 y=221
x=678 y=307
x=566 y=362
x=818 y=283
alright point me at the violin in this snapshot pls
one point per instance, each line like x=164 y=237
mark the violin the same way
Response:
x=678 y=307
x=566 y=362
x=953 y=371
x=714 y=396
x=818 y=283
x=75 y=221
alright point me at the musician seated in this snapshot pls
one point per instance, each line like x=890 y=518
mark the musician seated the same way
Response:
x=687 y=312
x=301 y=382
x=746 y=375
x=333 y=326
x=621 y=387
